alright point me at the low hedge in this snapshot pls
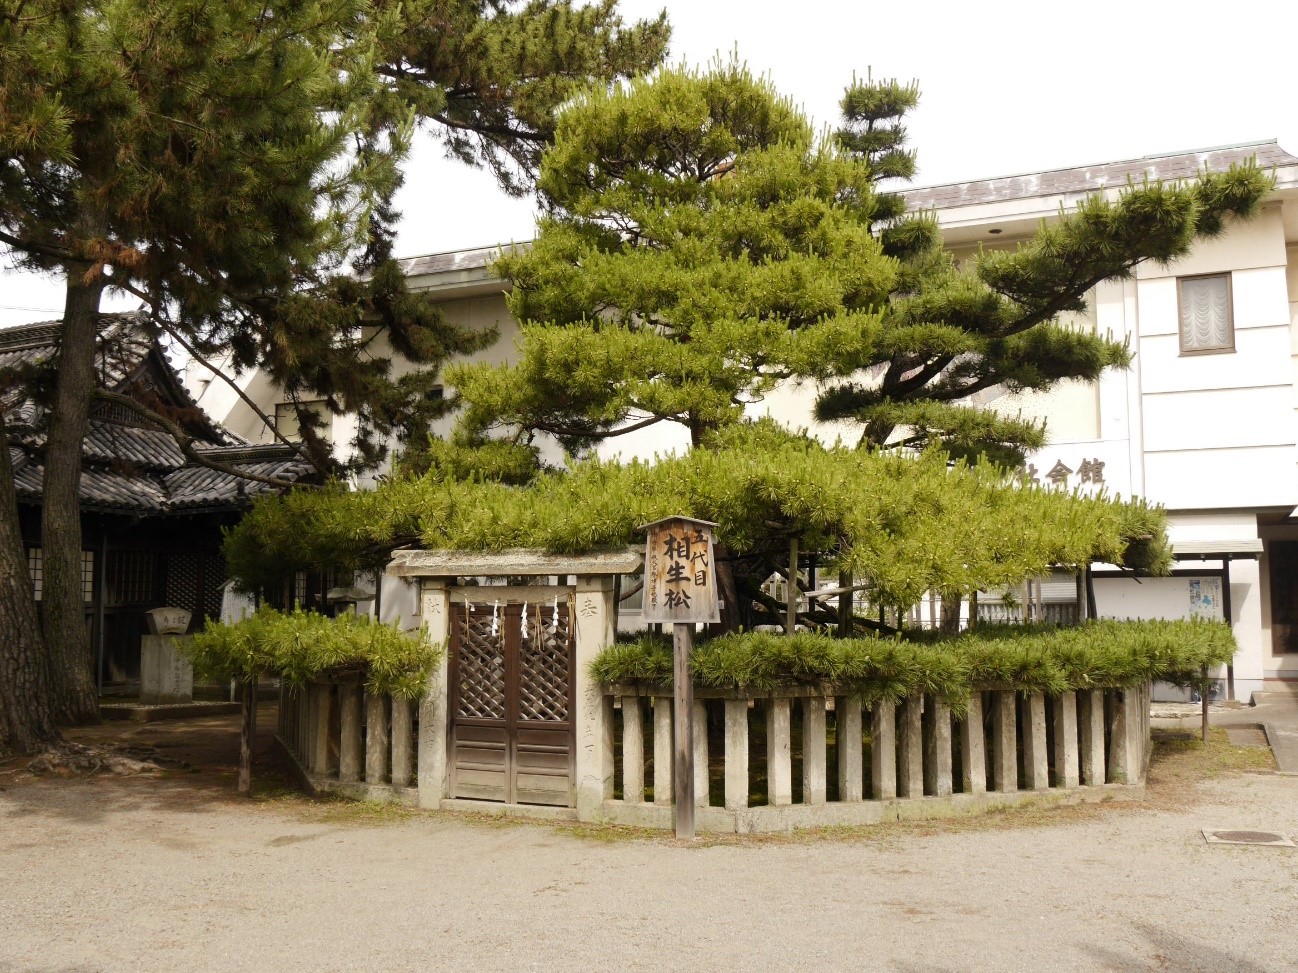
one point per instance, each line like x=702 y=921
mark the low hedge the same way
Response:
x=1100 y=654
x=302 y=646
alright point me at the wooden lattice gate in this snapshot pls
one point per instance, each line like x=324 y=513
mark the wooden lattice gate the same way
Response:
x=511 y=707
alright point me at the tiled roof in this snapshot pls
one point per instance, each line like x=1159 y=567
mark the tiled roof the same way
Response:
x=1090 y=179
x=183 y=490
x=124 y=344
x=439 y=263
x=128 y=467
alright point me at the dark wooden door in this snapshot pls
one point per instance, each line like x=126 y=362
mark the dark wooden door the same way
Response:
x=512 y=733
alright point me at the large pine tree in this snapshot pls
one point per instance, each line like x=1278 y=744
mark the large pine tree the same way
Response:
x=702 y=246
x=232 y=163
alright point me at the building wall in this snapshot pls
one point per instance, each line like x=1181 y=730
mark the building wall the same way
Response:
x=1212 y=437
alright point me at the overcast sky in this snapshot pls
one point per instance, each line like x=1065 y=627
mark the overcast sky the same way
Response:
x=1008 y=87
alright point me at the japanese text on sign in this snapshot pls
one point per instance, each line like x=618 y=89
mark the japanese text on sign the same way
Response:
x=680 y=579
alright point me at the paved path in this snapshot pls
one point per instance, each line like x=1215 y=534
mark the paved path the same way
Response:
x=1278 y=714
x=1275 y=711
x=174 y=875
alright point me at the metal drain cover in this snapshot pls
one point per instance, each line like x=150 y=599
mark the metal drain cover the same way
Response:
x=1223 y=836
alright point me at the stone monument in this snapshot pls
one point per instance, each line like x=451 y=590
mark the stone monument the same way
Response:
x=166 y=676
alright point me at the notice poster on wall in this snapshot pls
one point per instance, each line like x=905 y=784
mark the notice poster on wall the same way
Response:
x=1205 y=598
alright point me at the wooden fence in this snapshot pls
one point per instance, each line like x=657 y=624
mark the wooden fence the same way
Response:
x=764 y=762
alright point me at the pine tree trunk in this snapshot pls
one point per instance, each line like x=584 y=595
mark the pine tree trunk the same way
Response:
x=247 y=735
x=70 y=653
x=950 y=624
x=26 y=719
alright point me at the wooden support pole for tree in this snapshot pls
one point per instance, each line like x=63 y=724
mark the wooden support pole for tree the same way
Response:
x=247 y=730
x=1203 y=700
x=683 y=644
x=791 y=619
x=845 y=580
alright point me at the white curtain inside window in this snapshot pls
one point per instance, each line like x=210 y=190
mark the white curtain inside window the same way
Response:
x=1205 y=313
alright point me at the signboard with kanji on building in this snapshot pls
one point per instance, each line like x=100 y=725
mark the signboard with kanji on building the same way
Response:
x=680 y=572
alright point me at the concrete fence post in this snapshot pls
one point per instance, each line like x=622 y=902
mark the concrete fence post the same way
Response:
x=1005 y=763
x=736 y=754
x=1090 y=716
x=349 y=747
x=434 y=718
x=1036 y=756
x=632 y=750
x=937 y=748
x=847 y=734
x=883 y=750
x=910 y=769
x=664 y=756
x=1067 y=773
x=321 y=700
x=403 y=752
x=814 y=733
x=973 y=750
x=378 y=739
x=702 y=781
x=779 y=769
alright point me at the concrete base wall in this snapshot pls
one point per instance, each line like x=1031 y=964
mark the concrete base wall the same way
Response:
x=319 y=786
x=768 y=819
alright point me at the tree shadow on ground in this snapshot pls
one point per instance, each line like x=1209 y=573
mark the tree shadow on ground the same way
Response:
x=1173 y=951
x=202 y=756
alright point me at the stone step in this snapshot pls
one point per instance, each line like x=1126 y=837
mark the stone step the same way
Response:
x=1283 y=693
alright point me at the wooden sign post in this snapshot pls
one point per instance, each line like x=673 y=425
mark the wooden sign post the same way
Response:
x=681 y=588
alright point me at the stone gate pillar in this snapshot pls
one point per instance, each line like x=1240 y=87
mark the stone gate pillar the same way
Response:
x=434 y=607
x=593 y=606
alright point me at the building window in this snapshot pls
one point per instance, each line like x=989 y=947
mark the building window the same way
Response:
x=87 y=576
x=36 y=571
x=1282 y=557
x=35 y=566
x=286 y=419
x=1206 y=323
x=132 y=578
x=635 y=584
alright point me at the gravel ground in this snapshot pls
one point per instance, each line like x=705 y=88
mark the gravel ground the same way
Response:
x=173 y=874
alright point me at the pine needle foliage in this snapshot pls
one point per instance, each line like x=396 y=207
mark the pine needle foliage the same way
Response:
x=1096 y=655
x=301 y=647
x=701 y=246
x=907 y=524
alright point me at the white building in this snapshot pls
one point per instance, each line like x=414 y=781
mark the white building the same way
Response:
x=1203 y=422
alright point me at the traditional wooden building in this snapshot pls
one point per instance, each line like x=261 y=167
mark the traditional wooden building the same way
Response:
x=151 y=516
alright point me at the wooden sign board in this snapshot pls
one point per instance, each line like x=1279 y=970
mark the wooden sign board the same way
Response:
x=680 y=572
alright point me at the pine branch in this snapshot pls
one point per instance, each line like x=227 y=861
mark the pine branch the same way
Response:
x=41 y=249
x=193 y=353
x=185 y=441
